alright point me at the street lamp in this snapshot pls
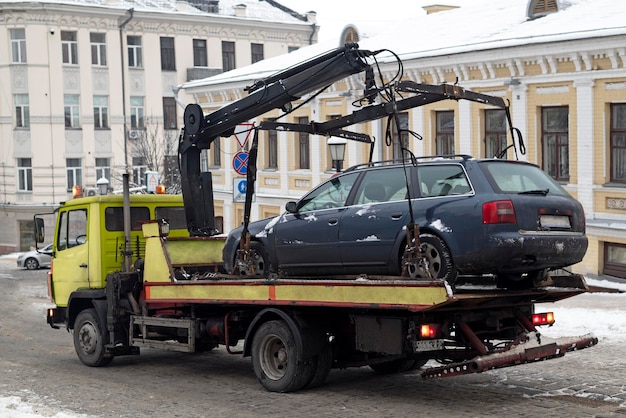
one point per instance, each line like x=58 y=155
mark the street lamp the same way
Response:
x=103 y=185
x=337 y=148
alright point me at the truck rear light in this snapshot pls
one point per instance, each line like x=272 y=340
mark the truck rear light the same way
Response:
x=546 y=318
x=499 y=212
x=430 y=330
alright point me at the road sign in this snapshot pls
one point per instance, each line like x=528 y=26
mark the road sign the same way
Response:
x=240 y=162
x=242 y=133
x=240 y=187
x=152 y=180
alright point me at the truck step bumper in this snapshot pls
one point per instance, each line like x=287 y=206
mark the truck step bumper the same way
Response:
x=536 y=348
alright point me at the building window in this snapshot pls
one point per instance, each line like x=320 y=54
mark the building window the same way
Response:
x=555 y=140
x=257 y=52
x=200 y=58
x=444 y=136
x=134 y=51
x=136 y=113
x=618 y=143
x=24 y=175
x=402 y=140
x=98 y=49
x=74 y=173
x=272 y=149
x=103 y=169
x=22 y=111
x=292 y=48
x=139 y=170
x=100 y=112
x=69 y=46
x=228 y=56
x=495 y=133
x=169 y=113
x=217 y=152
x=303 y=145
x=615 y=260
x=18 y=45
x=71 y=110
x=168 y=55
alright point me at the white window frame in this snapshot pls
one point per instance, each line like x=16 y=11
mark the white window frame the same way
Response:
x=98 y=49
x=69 y=47
x=24 y=175
x=137 y=113
x=101 y=112
x=18 y=45
x=74 y=172
x=103 y=169
x=134 y=52
x=71 y=110
x=22 y=111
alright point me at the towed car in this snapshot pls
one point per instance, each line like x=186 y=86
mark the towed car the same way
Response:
x=32 y=260
x=476 y=217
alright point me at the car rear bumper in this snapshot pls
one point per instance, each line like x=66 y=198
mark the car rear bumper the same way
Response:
x=521 y=253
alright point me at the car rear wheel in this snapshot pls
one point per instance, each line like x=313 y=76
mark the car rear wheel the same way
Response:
x=31 y=264
x=438 y=257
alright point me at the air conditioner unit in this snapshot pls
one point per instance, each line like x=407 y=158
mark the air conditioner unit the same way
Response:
x=90 y=191
x=134 y=134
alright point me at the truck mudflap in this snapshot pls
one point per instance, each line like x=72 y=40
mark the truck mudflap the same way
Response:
x=535 y=347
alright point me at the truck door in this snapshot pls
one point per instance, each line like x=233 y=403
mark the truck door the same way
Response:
x=71 y=262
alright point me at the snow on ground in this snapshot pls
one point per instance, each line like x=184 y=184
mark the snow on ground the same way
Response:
x=603 y=314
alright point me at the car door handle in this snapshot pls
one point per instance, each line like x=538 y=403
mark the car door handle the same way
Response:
x=83 y=266
x=333 y=222
x=396 y=216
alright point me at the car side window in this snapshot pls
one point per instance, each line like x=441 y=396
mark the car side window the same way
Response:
x=72 y=229
x=382 y=185
x=331 y=194
x=443 y=180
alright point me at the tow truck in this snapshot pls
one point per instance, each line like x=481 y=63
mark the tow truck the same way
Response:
x=171 y=294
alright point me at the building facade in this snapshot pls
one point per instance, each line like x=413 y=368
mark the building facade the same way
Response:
x=89 y=89
x=567 y=95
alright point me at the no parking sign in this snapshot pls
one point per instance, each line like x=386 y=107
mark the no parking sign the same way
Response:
x=240 y=162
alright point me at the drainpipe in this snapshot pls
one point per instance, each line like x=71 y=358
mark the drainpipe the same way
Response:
x=314 y=28
x=126 y=205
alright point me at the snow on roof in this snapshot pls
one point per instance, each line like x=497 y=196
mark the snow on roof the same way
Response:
x=475 y=25
x=254 y=9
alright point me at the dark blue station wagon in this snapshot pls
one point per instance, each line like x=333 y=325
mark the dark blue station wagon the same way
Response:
x=476 y=216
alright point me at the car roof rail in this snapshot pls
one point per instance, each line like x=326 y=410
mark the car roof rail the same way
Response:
x=408 y=161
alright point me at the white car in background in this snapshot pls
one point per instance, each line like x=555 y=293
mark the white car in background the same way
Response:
x=32 y=260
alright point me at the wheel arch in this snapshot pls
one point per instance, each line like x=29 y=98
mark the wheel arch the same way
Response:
x=86 y=299
x=303 y=329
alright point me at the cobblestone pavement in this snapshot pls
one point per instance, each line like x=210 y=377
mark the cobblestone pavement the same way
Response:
x=39 y=365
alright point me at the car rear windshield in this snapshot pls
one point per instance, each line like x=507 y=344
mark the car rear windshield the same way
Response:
x=507 y=177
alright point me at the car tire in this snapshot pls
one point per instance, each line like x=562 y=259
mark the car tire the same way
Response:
x=31 y=263
x=438 y=257
x=259 y=260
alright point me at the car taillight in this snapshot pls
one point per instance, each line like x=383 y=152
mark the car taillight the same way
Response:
x=546 y=318
x=499 y=212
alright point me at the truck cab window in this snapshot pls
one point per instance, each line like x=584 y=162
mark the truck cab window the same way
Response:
x=72 y=229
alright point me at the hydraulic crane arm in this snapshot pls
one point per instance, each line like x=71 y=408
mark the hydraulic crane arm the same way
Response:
x=277 y=91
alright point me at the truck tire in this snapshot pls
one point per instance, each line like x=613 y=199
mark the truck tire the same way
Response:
x=275 y=359
x=89 y=339
x=322 y=364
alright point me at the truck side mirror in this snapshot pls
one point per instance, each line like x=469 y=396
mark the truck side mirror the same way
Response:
x=39 y=230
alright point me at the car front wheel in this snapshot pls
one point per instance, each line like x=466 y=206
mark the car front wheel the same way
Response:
x=437 y=258
x=31 y=264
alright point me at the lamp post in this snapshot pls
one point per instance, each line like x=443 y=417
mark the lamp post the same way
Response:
x=337 y=148
x=103 y=186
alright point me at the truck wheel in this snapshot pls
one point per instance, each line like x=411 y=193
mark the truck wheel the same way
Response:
x=322 y=364
x=275 y=359
x=31 y=264
x=89 y=339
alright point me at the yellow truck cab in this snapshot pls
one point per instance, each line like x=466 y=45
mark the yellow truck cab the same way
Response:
x=89 y=239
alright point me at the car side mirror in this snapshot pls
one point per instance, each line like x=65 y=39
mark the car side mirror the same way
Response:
x=39 y=230
x=291 y=207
